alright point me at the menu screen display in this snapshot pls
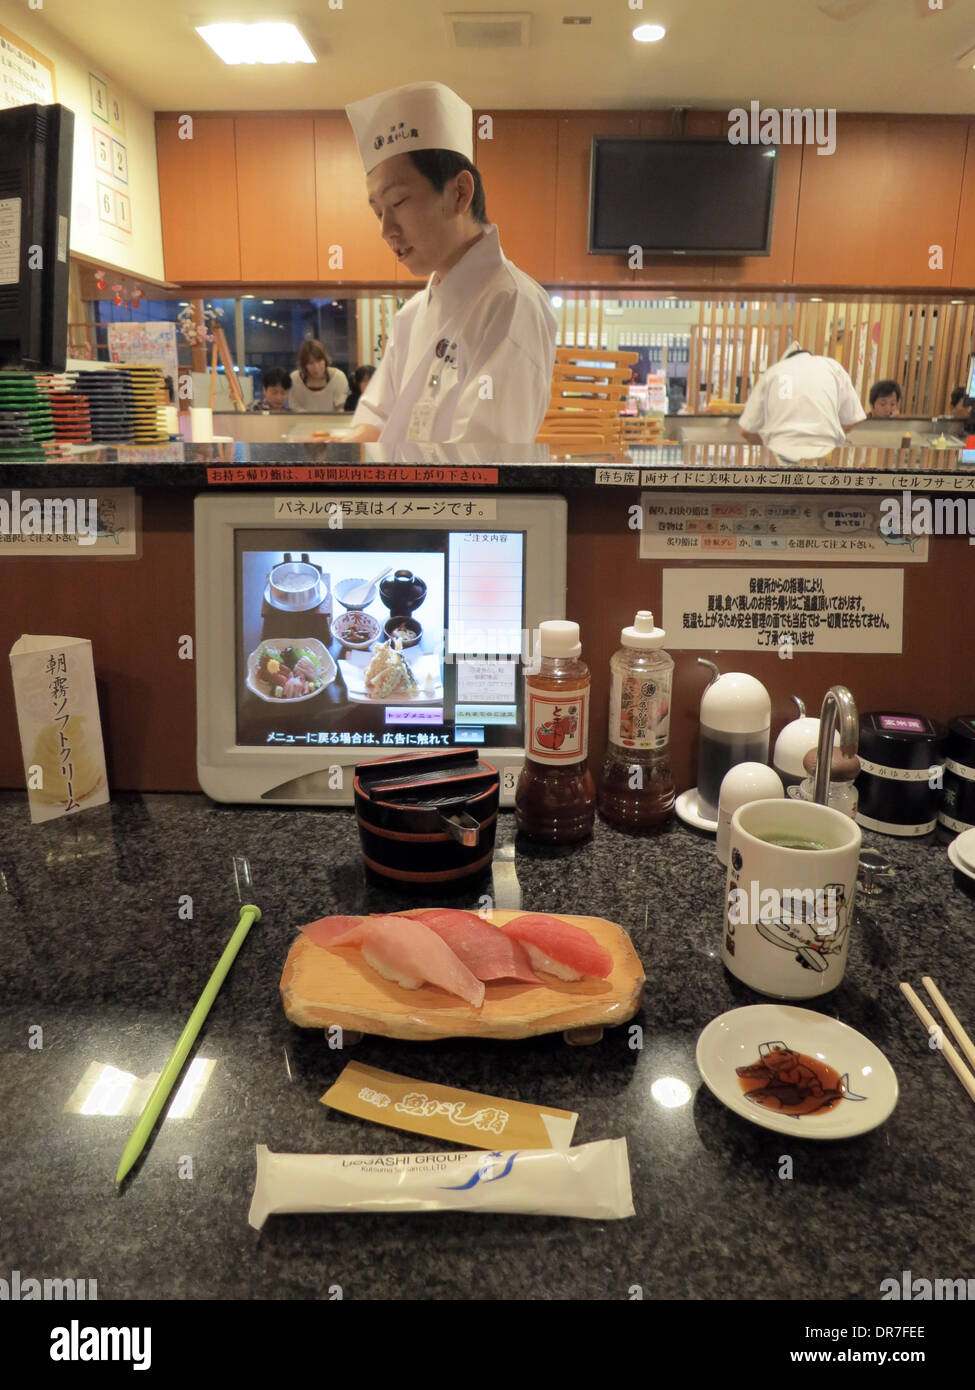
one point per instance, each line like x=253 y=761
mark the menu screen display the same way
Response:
x=379 y=639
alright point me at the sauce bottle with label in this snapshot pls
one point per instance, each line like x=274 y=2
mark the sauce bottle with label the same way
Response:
x=555 y=799
x=636 y=784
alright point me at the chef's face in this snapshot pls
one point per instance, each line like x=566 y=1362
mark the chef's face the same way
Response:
x=424 y=228
x=885 y=406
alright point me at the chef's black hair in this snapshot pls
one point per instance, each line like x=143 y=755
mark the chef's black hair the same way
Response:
x=439 y=166
x=884 y=388
x=958 y=395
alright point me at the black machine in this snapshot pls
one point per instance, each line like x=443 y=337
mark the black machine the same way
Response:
x=36 y=147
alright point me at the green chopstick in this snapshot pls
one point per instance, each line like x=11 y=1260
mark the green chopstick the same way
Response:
x=249 y=914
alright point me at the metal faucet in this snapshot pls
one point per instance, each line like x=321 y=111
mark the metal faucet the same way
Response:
x=838 y=707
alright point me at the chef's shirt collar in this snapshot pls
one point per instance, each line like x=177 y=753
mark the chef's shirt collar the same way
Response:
x=462 y=279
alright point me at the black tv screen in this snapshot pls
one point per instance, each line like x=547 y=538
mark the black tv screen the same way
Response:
x=681 y=197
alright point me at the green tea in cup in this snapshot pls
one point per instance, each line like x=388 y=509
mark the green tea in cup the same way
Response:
x=786 y=841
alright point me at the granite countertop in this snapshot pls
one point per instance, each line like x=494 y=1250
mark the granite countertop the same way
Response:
x=693 y=464
x=97 y=955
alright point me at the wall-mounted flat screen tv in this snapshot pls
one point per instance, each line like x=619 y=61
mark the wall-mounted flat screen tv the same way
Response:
x=681 y=197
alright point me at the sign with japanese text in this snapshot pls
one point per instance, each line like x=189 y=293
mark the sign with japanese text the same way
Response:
x=758 y=526
x=348 y=510
x=792 y=610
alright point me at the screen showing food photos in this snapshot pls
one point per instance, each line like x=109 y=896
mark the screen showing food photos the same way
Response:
x=379 y=639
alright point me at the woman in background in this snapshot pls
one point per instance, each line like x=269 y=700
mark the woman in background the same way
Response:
x=361 y=378
x=316 y=386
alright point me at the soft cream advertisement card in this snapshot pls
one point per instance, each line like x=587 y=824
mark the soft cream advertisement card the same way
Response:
x=60 y=731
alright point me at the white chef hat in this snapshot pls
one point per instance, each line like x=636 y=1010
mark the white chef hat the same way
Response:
x=420 y=116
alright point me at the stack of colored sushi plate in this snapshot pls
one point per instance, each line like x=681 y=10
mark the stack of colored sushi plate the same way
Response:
x=25 y=417
x=69 y=411
x=148 y=398
x=110 y=403
x=323 y=989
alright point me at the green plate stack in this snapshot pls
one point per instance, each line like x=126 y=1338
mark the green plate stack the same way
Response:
x=26 y=426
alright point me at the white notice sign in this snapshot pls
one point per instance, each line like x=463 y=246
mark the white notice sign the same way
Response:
x=803 y=610
x=721 y=526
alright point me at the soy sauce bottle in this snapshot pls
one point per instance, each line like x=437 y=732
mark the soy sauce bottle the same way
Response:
x=555 y=800
x=636 y=784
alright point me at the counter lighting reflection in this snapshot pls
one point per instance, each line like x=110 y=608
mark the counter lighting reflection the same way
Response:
x=670 y=1092
x=106 y=1090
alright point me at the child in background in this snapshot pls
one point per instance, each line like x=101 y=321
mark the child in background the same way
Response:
x=360 y=380
x=277 y=384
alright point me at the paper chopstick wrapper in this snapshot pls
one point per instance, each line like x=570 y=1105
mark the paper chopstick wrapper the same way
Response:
x=463 y=1117
x=60 y=731
x=591 y=1182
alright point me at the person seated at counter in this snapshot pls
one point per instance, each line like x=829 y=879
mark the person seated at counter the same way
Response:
x=276 y=383
x=885 y=400
x=361 y=378
x=801 y=407
x=963 y=409
x=471 y=354
x=317 y=387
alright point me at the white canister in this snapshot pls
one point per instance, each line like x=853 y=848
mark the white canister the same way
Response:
x=743 y=783
x=201 y=425
x=788 y=910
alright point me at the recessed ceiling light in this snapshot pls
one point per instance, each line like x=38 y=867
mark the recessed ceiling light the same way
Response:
x=267 y=301
x=649 y=33
x=271 y=42
x=556 y=301
x=957 y=301
x=815 y=299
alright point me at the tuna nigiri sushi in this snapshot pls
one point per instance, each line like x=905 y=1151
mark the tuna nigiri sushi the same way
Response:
x=409 y=953
x=559 y=948
x=486 y=951
x=328 y=929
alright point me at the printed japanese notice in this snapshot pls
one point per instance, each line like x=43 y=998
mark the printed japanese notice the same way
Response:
x=759 y=526
x=806 y=610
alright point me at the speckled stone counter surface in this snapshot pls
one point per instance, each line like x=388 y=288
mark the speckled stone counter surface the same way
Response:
x=96 y=954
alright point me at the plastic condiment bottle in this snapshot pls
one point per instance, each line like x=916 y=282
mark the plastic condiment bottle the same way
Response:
x=555 y=799
x=636 y=784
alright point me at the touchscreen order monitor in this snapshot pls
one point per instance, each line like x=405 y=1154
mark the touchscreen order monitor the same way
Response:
x=331 y=629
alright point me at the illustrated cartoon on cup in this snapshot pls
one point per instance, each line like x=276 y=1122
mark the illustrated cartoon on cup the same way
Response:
x=814 y=928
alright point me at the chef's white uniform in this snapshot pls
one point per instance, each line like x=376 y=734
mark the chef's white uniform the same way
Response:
x=469 y=360
x=800 y=405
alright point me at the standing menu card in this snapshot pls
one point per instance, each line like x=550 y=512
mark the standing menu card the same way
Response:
x=60 y=731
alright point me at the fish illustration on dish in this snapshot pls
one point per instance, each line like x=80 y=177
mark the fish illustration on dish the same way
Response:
x=793 y=1083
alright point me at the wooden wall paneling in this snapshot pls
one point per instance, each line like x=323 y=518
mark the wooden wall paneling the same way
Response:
x=869 y=212
x=344 y=218
x=777 y=268
x=927 y=358
x=693 y=371
x=277 y=198
x=198 y=199
x=963 y=261
x=572 y=261
x=519 y=166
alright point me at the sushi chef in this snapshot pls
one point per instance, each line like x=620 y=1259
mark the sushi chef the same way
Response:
x=470 y=356
x=801 y=407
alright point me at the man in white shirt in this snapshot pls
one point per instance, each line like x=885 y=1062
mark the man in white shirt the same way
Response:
x=470 y=356
x=801 y=408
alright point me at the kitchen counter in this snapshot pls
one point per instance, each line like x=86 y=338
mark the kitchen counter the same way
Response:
x=98 y=956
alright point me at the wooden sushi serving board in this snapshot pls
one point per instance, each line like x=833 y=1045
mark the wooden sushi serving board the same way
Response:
x=323 y=989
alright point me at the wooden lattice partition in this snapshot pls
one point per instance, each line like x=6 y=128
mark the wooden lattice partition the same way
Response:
x=924 y=347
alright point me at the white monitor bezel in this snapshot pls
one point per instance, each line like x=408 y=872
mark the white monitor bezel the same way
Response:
x=230 y=772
